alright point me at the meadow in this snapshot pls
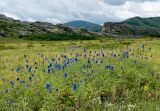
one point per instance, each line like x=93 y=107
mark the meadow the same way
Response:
x=83 y=75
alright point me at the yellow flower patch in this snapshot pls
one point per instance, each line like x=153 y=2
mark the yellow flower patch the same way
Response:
x=146 y=88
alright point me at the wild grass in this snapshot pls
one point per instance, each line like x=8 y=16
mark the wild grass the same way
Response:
x=84 y=75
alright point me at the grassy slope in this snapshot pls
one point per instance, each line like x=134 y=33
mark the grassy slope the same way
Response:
x=144 y=22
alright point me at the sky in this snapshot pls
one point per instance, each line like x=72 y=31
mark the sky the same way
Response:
x=61 y=11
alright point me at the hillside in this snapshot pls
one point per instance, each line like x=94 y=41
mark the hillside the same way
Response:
x=39 y=30
x=135 y=26
x=152 y=22
x=84 y=25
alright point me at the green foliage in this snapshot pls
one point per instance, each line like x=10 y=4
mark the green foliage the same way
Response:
x=58 y=36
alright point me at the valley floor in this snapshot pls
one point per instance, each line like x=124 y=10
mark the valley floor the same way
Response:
x=84 y=75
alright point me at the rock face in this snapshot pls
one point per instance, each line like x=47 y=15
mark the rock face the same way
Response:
x=134 y=26
x=117 y=28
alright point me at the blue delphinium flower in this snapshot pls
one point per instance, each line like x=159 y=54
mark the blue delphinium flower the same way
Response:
x=109 y=67
x=65 y=64
x=103 y=55
x=135 y=61
x=65 y=75
x=27 y=66
x=50 y=65
x=18 y=69
x=126 y=54
x=65 y=56
x=74 y=86
x=49 y=70
x=97 y=61
x=57 y=66
x=7 y=90
x=12 y=83
x=77 y=55
x=57 y=90
x=89 y=61
x=30 y=78
x=48 y=86
x=63 y=67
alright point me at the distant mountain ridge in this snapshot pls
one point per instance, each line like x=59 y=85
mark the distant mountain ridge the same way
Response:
x=84 y=25
x=134 y=26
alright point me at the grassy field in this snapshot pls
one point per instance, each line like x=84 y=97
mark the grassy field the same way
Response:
x=84 y=75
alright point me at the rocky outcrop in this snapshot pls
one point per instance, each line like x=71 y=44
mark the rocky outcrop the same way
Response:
x=126 y=29
x=11 y=27
x=118 y=28
x=40 y=30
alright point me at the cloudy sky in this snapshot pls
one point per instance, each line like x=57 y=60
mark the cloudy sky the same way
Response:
x=60 y=11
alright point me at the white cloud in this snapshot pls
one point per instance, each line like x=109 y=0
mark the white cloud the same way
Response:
x=120 y=2
x=98 y=11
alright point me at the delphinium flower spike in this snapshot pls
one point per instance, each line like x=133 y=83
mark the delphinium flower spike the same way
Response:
x=74 y=86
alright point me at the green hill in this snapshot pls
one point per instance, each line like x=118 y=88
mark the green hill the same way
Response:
x=84 y=25
x=39 y=30
x=152 y=22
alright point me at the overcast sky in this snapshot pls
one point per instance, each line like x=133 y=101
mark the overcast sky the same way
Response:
x=60 y=11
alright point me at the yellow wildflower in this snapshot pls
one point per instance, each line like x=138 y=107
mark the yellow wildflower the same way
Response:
x=1 y=82
x=146 y=88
